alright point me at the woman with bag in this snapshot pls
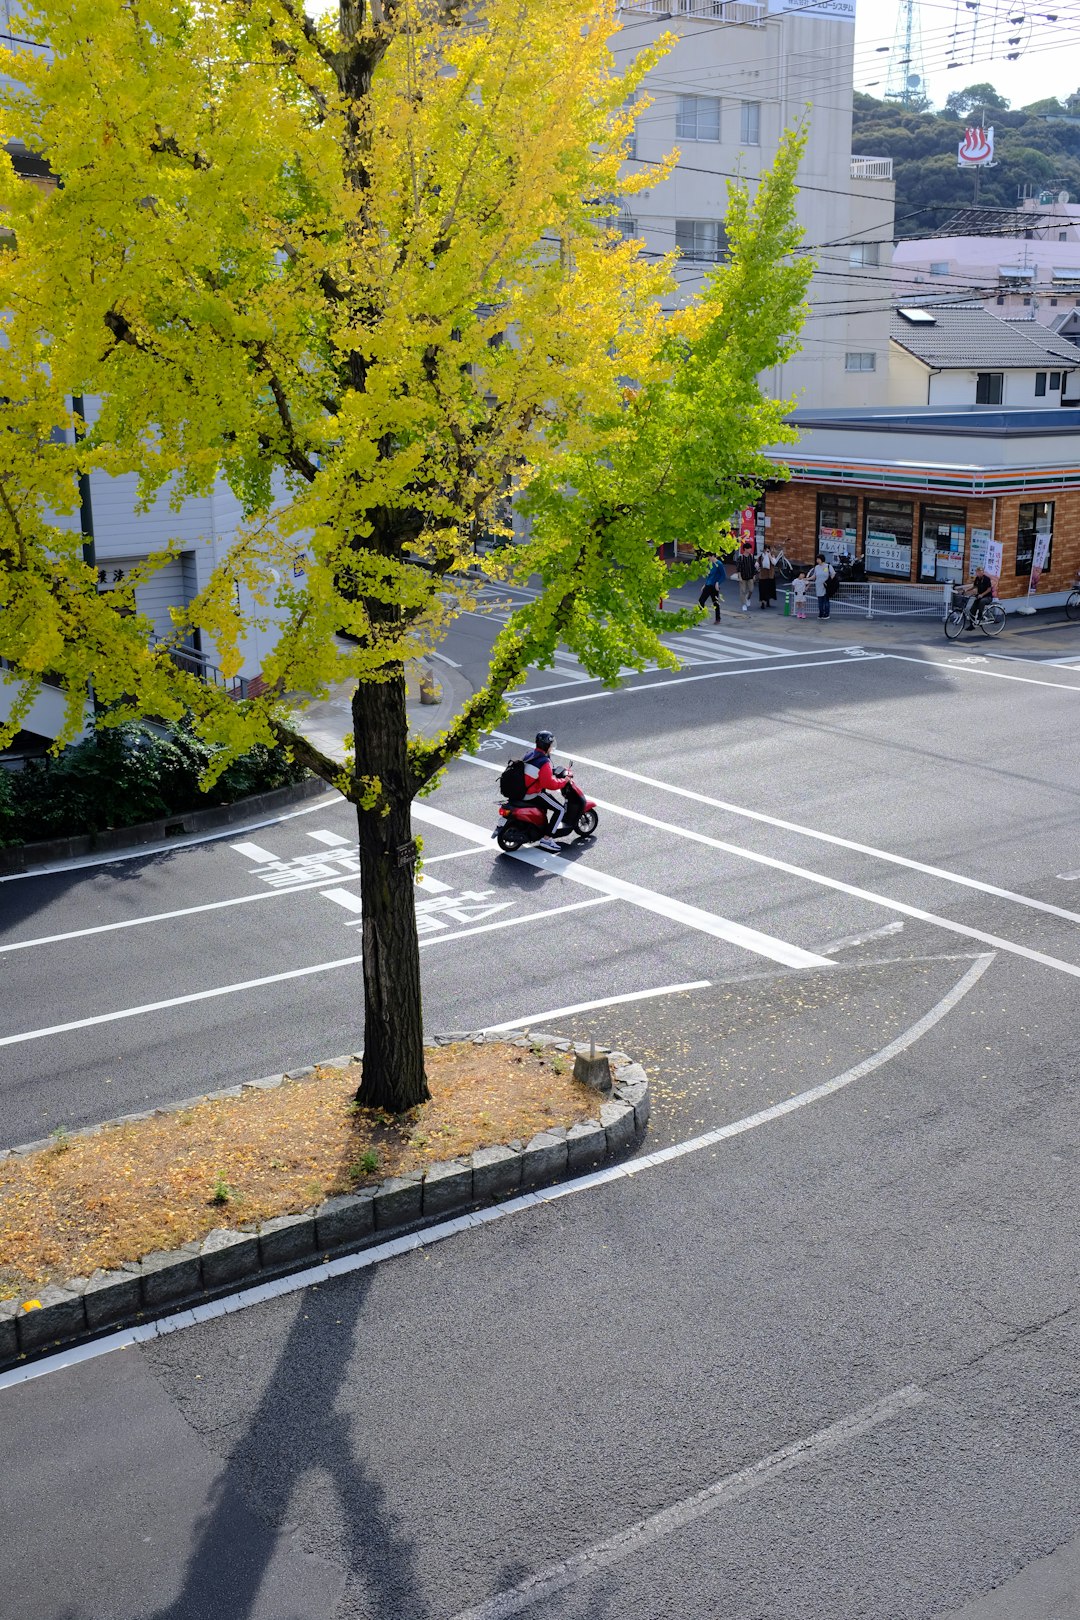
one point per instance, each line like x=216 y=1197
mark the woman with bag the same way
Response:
x=820 y=576
x=766 y=578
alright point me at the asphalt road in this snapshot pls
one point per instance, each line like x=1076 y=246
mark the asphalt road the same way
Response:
x=822 y=1368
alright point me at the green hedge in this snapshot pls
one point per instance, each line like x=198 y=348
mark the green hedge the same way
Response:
x=122 y=775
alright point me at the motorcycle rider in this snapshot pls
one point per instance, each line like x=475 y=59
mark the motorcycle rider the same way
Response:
x=542 y=786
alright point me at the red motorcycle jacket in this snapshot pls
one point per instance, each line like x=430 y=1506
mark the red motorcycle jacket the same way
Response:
x=539 y=775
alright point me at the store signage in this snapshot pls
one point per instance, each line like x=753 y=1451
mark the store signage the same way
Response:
x=980 y=548
x=1038 y=561
x=976 y=150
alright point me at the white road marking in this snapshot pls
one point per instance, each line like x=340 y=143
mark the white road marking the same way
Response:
x=168 y=846
x=870 y=895
x=979 y=668
x=588 y=1006
x=1068 y=877
x=255 y=852
x=661 y=905
x=811 y=662
x=432 y=885
x=279 y=978
x=613 y=1549
x=342 y=897
x=349 y=1263
x=851 y=940
x=809 y=832
x=334 y=839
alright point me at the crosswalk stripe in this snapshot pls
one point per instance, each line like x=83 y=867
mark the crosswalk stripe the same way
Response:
x=334 y=839
x=343 y=897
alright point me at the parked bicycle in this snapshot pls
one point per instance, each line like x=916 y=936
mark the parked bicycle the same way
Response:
x=1072 y=605
x=966 y=614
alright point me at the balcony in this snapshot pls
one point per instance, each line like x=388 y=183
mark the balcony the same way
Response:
x=868 y=168
x=751 y=13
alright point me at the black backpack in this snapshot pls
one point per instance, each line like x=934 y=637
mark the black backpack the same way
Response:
x=512 y=780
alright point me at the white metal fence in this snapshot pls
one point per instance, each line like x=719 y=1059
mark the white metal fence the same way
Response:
x=882 y=599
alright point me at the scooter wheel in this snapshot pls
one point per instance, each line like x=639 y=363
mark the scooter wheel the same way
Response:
x=587 y=823
x=509 y=839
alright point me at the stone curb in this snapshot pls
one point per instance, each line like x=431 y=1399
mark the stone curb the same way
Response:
x=161 y=1283
x=26 y=857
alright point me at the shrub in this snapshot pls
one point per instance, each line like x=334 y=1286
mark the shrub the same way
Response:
x=122 y=775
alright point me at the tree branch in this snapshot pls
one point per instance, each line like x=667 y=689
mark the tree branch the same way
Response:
x=319 y=764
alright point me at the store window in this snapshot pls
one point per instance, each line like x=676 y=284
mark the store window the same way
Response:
x=888 y=530
x=837 y=525
x=941 y=543
x=989 y=387
x=1034 y=533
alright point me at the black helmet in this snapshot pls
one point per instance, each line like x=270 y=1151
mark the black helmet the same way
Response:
x=545 y=739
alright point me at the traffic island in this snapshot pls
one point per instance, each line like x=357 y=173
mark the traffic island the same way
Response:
x=166 y=1210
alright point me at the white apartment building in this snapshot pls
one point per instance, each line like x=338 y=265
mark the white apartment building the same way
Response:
x=741 y=73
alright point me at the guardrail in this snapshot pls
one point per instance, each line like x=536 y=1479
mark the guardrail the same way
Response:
x=750 y=13
x=871 y=168
x=884 y=599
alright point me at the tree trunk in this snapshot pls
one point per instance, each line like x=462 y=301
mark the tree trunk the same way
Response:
x=393 y=1075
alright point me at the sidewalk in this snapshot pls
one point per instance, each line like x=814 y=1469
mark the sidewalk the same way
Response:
x=1044 y=634
x=329 y=721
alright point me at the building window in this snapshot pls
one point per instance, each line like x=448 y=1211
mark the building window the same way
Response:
x=940 y=267
x=697 y=118
x=1001 y=298
x=865 y=253
x=1055 y=382
x=1063 y=236
x=1034 y=528
x=1040 y=384
x=750 y=123
x=626 y=227
x=1053 y=303
x=941 y=543
x=989 y=387
x=702 y=239
x=837 y=525
x=887 y=530
x=860 y=360
x=1027 y=299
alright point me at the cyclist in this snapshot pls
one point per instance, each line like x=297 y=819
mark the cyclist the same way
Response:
x=980 y=594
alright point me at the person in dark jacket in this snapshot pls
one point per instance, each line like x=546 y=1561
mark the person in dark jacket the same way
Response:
x=746 y=568
x=710 y=589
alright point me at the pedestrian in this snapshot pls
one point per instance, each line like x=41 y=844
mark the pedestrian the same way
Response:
x=746 y=568
x=820 y=575
x=766 y=578
x=710 y=590
x=799 y=590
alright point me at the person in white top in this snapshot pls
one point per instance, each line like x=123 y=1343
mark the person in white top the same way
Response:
x=819 y=576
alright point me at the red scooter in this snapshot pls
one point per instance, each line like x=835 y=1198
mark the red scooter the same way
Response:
x=524 y=822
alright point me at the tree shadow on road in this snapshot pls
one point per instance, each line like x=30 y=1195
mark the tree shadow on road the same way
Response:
x=294 y=1433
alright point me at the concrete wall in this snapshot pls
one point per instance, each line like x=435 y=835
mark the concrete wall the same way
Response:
x=793 y=68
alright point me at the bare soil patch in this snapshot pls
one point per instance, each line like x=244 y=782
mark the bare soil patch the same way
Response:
x=93 y=1202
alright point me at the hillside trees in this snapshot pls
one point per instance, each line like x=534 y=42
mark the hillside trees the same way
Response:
x=360 y=270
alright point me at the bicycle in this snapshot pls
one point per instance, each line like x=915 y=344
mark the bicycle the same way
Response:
x=785 y=568
x=1072 y=605
x=964 y=615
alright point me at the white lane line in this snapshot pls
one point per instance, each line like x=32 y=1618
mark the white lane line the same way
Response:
x=433 y=885
x=716 y=675
x=613 y=1549
x=256 y=853
x=279 y=978
x=333 y=839
x=661 y=905
x=812 y=832
x=588 y=1006
x=870 y=895
x=169 y=846
x=367 y=1258
x=958 y=668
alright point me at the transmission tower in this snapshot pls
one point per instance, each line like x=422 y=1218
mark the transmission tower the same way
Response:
x=906 y=82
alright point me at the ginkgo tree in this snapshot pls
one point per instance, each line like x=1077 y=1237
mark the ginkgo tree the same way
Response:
x=360 y=269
